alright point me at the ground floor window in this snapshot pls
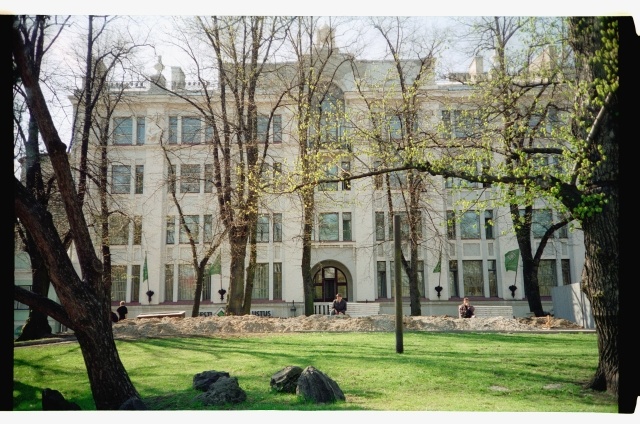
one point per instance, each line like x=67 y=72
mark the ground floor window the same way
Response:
x=135 y=283
x=453 y=279
x=168 y=283
x=493 y=278
x=277 y=281
x=186 y=282
x=327 y=282
x=382 y=279
x=118 y=283
x=472 y=278
x=261 y=282
x=547 y=276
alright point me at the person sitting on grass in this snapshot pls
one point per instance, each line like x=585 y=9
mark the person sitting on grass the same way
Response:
x=339 y=305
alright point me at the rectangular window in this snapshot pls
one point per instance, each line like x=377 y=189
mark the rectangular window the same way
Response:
x=470 y=225
x=173 y=130
x=190 y=130
x=395 y=128
x=262 y=229
x=398 y=180
x=193 y=223
x=140 y=130
x=380 y=226
x=377 y=179
x=135 y=283
x=118 y=282
x=493 y=278
x=186 y=282
x=330 y=173
x=563 y=232
x=405 y=281
x=277 y=128
x=451 y=225
x=190 y=179
x=277 y=227
x=488 y=224
x=566 y=271
x=328 y=226
x=454 y=289
x=121 y=179
x=382 y=279
x=137 y=230
x=346 y=226
x=547 y=276
x=171 y=178
x=139 y=179
x=118 y=230
x=208 y=178
x=541 y=221
x=472 y=278
x=171 y=230
x=208 y=228
x=446 y=124
x=262 y=128
x=261 y=282
x=208 y=133
x=346 y=173
x=168 y=282
x=122 y=131
x=277 y=281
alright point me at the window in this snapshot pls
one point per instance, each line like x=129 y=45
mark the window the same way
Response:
x=139 y=179
x=262 y=229
x=208 y=178
x=377 y=179
x=277 y=281
x=118 y=230
x=541 y=221
x=451 y=225
x=168 y=282
x=171 y=230
x=453 y=279
x=328 y=226
x=193 y=223
x=470 y=225
x=140 y=130
x=121 y=179
x=563 y=232
x=137 y=230
x=493 y=278
x=382 y=279
x=566 y=271
x=395 y=128
x=118 y=282
x=472 y=278
x=277 y=128
x=547 y=276
x=488 y=224
x=398 y=180
x=459 y=124
x=404 y=226
x=346 y=173
x=380 y=226
x=330 y=173
x=208 y=133
x=135 y=283
x=190 y=130
x=208 y=228
x=277 y=227
x=186 y=282
x=190 y=178
x=171 y=178
x=123 y=131
x=263 y=129
x=346 y=226
x=173 y=130
x=261 y=282
x=405 y=281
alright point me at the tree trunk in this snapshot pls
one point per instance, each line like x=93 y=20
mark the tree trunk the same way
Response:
x=305 y=266
x=238 y=244
x=37 y=325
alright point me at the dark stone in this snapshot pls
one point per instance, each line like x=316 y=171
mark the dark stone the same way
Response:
x=203 y=380
x=224 y=391
x=133 y=404
x=315 y=386
x=52 y=400
x=286 y=380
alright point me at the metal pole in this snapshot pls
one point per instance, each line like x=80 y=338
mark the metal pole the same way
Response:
x=398 y=282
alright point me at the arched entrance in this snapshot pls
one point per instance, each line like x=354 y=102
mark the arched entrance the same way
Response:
x=328 y=281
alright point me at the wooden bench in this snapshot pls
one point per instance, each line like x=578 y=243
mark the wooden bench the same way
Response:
x=485 y=311
x=177 y=314
x=354 y=309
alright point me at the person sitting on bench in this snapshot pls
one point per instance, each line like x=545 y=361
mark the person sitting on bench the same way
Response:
x=339 y=305
x=466 y=310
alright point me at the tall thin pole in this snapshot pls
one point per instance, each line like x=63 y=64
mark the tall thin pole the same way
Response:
x=398 y=282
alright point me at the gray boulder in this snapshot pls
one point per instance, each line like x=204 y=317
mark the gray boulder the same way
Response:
x=224 y=391
x=286 y=380
x=203 y=380
x=52 y=400
x=315 y=386
x=133 y=404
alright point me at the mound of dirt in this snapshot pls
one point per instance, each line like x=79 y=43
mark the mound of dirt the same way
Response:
x=214 y=325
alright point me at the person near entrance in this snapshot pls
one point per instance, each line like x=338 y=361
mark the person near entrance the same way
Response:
x=122 y=311
x=339 y=305
x=466 y=310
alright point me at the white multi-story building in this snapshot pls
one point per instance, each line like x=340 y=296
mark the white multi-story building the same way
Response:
x=157 y=133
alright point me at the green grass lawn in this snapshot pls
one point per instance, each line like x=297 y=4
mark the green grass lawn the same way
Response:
x=436 y=372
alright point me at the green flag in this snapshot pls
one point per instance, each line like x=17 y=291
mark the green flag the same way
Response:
x=145 y=271
x=511 y=260
x=216 y=266
x=437 y=268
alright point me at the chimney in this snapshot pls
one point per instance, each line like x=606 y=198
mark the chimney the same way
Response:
x=177 y=78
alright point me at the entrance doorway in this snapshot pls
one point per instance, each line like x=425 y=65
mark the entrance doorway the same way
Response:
x=327 y=282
